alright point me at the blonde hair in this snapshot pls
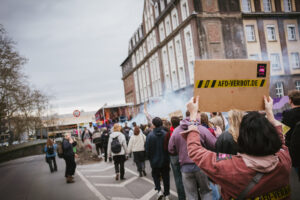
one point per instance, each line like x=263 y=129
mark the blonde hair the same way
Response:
x=234 y=119
x=117 y=128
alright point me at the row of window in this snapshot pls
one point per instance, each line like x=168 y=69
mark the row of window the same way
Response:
x=171 y=21
x=267 y=6
x=271 y=33
x=173 y=69
x=276 y=63
x=279 y=88
x=142 y=80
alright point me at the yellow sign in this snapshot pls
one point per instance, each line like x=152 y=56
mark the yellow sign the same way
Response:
x=285 y=128
x=230 y=83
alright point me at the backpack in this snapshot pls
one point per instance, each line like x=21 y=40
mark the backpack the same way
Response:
x=50 y=150
x=60 y=151
x=115 y=145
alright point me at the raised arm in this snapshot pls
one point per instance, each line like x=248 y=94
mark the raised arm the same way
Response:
x=270 y=116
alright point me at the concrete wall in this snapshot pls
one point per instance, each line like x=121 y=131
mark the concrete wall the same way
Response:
x=22 y=150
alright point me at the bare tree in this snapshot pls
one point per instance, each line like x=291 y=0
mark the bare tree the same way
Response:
x=21 y=107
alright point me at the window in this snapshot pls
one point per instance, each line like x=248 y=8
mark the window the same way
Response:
x=279 y=89
x=287 y=5
x=271 y=33
x=291 y=32
x=144 y=49
x=246 y=5
x=180 y=63
x=267 y=5
x=297 y=83
x=184 y=9
x=136 y=86
x=253 y=57
x=140 y=32
x=250 y=34
x=162 y=5
x=136 y=37
x=156 y=11
x=154 y=38
x=161 y=31
x=173 y=65
x=189 y=52
x=133 y=61
x=275 y=61
x=295 y=60
x=168 y=25
x=166 y=68
x=174 y=18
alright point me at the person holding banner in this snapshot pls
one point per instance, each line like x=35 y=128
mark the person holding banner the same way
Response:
x=262 y=167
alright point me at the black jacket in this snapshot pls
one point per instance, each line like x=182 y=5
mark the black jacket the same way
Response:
x=157 y=155
x=68 y=148
x=290 y=118
x=105 y=138
x=226 y=144
x=295 y=146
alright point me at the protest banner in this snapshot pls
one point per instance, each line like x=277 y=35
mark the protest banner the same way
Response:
x=223 y=85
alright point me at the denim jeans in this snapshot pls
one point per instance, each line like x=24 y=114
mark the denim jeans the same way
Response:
x=163 y=172
x=194 y=180
x=177 y=176
x=215 y=190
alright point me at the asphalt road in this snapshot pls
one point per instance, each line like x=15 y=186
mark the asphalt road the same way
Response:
x=30 y=179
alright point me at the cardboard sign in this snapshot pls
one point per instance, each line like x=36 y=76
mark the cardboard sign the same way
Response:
x=223 y=85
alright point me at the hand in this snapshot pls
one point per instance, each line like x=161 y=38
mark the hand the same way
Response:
x=268 y=104
x=192 y=107
x=76 y=155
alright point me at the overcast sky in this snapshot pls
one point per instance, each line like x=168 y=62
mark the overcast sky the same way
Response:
x=74 y=47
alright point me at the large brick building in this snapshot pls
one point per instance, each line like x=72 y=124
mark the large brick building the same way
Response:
x=174 y=33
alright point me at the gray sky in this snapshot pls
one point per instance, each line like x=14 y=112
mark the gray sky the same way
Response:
x=74 y=47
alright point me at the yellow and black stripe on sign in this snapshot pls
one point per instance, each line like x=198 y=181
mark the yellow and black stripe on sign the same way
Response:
x=230 y=83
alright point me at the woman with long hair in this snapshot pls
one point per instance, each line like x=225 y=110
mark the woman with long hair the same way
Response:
x=137 y=146
x=260 y=170
x=117 y=148
x=227 y=141
x=50 y=149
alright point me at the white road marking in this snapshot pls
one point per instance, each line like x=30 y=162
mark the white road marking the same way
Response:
x=90 y=186
x=148 y=195
x=150 y=181
x=122 y=184
x=97 y=170
x=108 y=176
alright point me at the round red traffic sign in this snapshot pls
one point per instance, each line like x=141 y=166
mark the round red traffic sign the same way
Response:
x=76 y=113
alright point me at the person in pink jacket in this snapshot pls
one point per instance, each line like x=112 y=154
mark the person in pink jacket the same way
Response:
x=260 y=170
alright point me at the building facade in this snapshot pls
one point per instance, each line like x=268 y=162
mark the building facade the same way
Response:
x=174 y=33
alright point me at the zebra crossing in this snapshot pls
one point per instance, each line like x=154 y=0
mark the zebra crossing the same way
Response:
x=100 y=179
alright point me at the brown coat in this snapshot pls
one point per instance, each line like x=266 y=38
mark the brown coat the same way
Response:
x=232 y=174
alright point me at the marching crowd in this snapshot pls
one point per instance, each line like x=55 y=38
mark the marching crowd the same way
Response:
x=250 y=158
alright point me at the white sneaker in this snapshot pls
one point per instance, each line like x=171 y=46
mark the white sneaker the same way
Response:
x=167 y=197
x=159 y=195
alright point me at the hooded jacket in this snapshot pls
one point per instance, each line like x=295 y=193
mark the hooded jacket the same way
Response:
x=136 y=143
x=157 y=155
x=233 y=173
x=177 y=145
x=122 y=141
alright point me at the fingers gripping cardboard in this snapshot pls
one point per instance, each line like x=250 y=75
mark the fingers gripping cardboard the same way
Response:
x=231 y=84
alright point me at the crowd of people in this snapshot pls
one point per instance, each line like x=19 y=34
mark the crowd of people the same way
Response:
x=248 y=158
